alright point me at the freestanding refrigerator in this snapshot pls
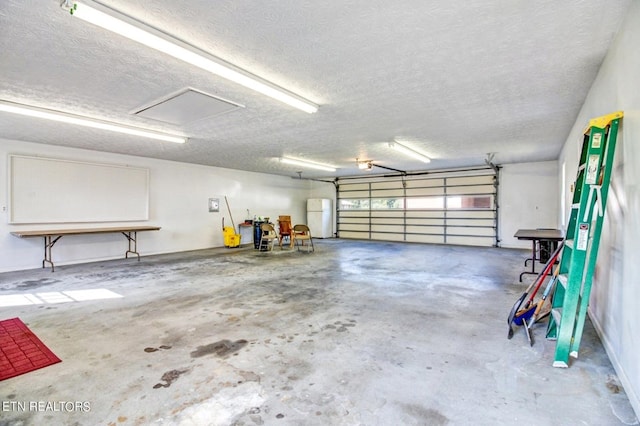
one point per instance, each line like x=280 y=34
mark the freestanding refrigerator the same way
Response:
x=319 y=217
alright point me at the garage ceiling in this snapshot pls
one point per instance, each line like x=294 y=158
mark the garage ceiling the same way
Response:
x=456 y=80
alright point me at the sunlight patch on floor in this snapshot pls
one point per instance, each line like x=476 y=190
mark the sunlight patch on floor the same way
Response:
x=53 y=297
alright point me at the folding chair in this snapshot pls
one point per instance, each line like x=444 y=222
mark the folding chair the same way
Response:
x=267 y=235
x=301 y=233
x=285 y=231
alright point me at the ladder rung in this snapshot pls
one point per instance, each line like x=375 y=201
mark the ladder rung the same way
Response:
x=568 y=244
x=556 y=313
x=575 y=206
x=562 y=279
x=581 y=167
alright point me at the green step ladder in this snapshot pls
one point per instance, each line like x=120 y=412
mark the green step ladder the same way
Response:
x=580 y=251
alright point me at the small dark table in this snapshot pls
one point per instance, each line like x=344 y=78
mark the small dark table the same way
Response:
x=538 y=236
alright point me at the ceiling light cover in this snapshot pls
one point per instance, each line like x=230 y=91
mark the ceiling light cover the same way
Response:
x=408 y=151
x=78 y=120
x=125 y=26
x=308 y=164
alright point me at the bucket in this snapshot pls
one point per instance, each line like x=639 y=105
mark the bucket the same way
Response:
x=231 y=239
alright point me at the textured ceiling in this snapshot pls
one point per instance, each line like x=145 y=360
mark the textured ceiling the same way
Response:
x=457 y=79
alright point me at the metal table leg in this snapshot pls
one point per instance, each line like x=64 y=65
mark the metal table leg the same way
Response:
x=533 y=261
x=133 y=244
x=48 y=244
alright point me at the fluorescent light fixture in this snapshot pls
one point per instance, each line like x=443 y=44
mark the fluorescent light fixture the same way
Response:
x=78 y=120
x=309 y=164
x=123 y=25
x=408 y=151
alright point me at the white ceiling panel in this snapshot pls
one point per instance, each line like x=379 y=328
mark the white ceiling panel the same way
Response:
x=186 y=106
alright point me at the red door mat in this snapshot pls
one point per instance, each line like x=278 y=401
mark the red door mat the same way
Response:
x=20 y=350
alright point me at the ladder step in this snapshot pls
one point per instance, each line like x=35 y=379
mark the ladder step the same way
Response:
x=562 y=280
x=556 y=313
x=568 y=244
x=575 y=206
x=581 y=167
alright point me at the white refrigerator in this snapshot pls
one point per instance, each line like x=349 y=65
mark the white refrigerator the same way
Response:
x=319 y=217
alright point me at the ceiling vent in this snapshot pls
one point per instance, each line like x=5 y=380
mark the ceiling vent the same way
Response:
x=186 y=106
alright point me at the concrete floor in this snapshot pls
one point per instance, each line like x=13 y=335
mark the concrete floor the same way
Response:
x=355 y=333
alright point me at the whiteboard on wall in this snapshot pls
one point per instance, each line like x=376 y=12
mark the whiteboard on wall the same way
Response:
x=50 y=190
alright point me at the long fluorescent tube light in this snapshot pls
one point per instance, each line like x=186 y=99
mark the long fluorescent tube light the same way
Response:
x=309 y=164
x=123 y=25
x=78 y=120
x=408 y=151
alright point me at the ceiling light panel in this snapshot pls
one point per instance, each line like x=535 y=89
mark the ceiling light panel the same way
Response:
x=78 y=120
x=400 y=147
x=128 y=27
x=307 y=164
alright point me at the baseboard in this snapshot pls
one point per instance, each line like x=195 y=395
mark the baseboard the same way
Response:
x=626 y=384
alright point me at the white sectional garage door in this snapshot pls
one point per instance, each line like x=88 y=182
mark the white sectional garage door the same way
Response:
x=443 y=207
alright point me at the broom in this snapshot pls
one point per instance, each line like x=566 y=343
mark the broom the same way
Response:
x=524 y=314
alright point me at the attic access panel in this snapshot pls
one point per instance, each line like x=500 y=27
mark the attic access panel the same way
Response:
x=186 y=106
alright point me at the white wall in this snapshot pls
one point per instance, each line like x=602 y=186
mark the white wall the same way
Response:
x=528 y=199
x=616 y=288
x=179 y=194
